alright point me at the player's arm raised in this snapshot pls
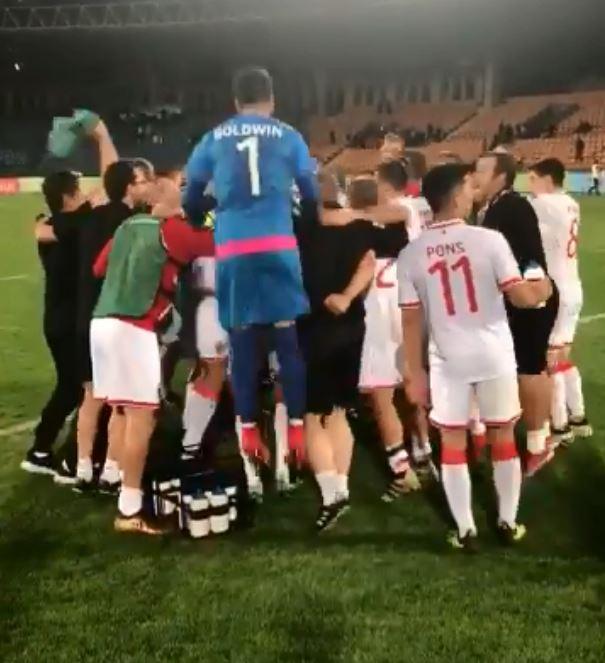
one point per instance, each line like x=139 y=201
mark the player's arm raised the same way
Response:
x=108 y=154
x=339 y=303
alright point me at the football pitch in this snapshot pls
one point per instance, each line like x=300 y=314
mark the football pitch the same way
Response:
x=380 y=587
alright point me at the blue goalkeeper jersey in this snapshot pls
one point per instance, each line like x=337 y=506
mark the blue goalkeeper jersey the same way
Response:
x=253 y=163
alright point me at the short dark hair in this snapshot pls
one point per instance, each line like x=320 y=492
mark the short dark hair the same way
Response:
x=116 y=179
x=506 y=165
x=59 y=184
x=440 y=182
x=393 y=173
x=362 y=193
x=252 y=85
x=552 y=168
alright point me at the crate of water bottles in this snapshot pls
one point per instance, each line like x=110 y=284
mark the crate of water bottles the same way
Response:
x=203 y=504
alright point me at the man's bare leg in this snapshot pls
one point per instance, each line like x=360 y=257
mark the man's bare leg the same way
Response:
x=323 y=461
x=535 y=395
x=116 y=432
x=341 y=439
x=321 y=457
x=403 y=478
x=88 y=421
x=140 y=423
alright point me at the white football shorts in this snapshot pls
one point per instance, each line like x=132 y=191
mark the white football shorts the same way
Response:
x=452 y=400
x=126 y=366
x=212 y=340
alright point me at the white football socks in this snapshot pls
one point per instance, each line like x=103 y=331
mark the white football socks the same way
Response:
x=250 y=469
x=84 y=469
x=558 y=408
x=397 y=456
x=327 y=482
x=457 y=485
x=421 y=448
x=573 y=392
x=342 y=487
x=536 y=441
x=111 y=471
x=198 y=412
x=507 y=480
x=280 y=424
x=130 y=501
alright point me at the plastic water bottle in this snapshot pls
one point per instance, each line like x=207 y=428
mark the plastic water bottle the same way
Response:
x=199 y=522
x=231 y=492
x=219 y=513
x=157 y=499
x=186 y=512
x=533 y=272
x=166 y=504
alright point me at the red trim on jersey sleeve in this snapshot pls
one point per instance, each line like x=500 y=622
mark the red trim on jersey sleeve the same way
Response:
x=99 y=267
x=410 y=305
x=184 y=243
x=507 y=283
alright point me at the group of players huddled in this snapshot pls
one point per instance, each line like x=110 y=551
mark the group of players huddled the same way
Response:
x=465 y=298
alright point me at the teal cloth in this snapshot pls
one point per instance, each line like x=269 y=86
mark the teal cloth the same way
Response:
x=67 y=132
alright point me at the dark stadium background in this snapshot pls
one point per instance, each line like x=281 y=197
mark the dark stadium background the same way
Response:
x=535 y=47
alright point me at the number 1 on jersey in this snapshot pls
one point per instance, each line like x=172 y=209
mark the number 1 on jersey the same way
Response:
x=251 y=146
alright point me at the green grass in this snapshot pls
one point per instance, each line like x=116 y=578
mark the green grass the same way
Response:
x=380 y=587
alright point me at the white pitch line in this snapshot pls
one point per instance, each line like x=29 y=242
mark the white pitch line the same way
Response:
x=23 y=427
x=591 y=318
x=15 y=277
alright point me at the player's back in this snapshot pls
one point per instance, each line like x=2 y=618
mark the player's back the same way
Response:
x=254 y=167
x=559 y=220
x=457 y=272
x=421 y=215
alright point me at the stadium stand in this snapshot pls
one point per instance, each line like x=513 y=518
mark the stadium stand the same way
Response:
x=514 y=111
x=354 y=161
x=591 y=111
x=533 y=127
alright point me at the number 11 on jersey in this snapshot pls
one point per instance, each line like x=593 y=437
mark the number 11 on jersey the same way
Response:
x=251 y=146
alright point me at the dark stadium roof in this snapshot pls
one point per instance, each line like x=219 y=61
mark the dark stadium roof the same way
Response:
x=539 y=44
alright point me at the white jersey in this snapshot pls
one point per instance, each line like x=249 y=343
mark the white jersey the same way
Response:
x=559 y=220
x=420 y=217
x=457 y=273
x=204 y=274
